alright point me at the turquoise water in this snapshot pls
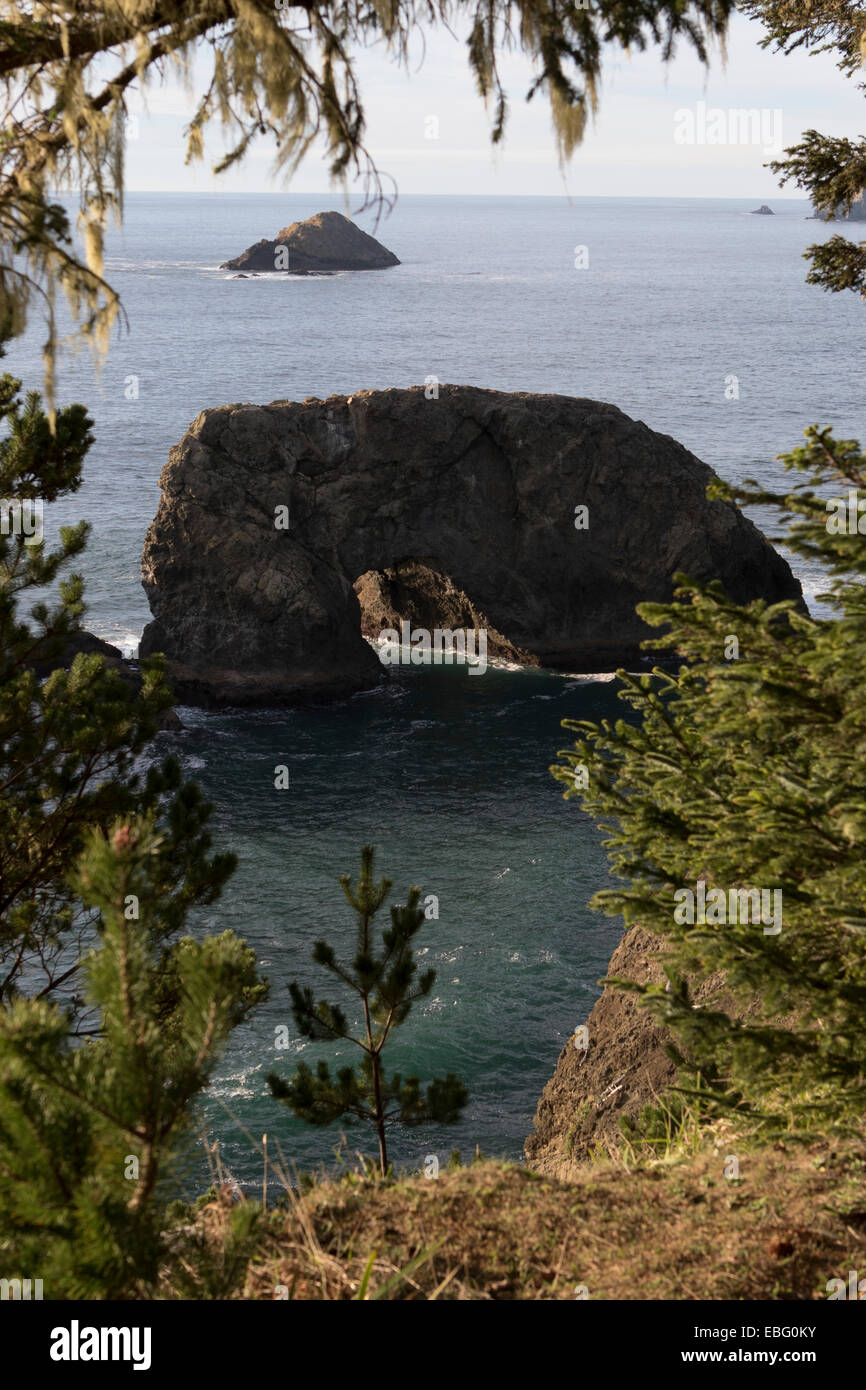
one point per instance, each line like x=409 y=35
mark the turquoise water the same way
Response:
x=446 y=775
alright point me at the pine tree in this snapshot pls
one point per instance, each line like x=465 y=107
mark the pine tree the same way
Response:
x=89 y=1129
x=385 y=986
x=71 y=743
x=109 y=1024
x=743 y=772
x=746 y=770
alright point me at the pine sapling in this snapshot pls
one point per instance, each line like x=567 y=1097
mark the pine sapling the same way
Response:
x=385 y=984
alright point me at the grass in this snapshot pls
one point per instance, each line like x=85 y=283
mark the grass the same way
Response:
x=678 y=1229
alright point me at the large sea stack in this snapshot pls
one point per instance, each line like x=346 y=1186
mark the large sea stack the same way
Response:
x=544 y=517
x=326 y=242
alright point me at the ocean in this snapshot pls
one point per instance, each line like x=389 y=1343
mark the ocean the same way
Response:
x=691 y=315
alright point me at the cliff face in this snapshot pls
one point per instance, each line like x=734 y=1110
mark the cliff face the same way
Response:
x=856 y=213
x=551 y=516
x=328 y=241
x=623 y=1068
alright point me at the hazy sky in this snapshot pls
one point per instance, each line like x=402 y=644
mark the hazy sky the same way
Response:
x=631 y=150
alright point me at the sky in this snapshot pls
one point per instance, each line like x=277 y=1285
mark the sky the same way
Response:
x=631 y=150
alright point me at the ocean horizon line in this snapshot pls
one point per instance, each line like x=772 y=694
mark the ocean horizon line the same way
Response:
x=462 y=197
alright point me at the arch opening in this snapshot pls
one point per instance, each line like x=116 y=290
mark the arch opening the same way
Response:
x=411 y=591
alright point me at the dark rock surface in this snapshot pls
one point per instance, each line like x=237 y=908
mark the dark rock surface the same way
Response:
x=62 y=654
x=477 y=486
x=324 y=243
x=623 y=1068
x=763 y=211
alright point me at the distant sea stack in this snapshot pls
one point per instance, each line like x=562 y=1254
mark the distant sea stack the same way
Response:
x=329 y=241
x=763 y=211
x=287 y=531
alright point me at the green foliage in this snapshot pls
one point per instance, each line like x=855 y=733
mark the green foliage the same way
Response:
x=820 y=26
x=284 y=70
x=386 y=987
x=110 y=1025
x=210 y=1263
x=749 y=774
x=88 y=1129
x=71 y=743
x=833 y=171
x=838 y=264
x=669 y=1127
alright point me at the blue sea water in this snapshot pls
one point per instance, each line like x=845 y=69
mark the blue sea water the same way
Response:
x=447 y=775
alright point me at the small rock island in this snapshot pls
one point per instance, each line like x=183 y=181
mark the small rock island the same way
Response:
x=327 y=242
x=763 y=211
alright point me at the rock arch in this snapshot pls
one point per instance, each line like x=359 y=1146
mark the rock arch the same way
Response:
x=478 y=486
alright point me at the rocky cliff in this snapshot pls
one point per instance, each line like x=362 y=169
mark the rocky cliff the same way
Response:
x=326 y=242
x=856 y=213
x=551 y=516
x=623 y=1067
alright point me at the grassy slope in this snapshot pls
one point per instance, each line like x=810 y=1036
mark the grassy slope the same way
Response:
x=677 y=1230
